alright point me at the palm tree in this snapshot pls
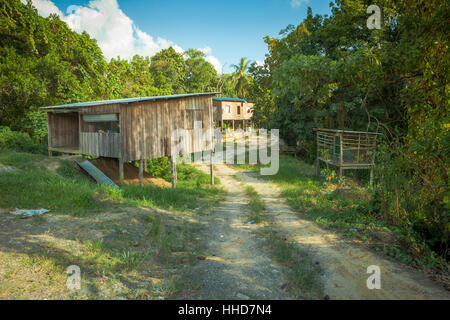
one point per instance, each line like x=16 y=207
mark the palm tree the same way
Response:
x=240 y=77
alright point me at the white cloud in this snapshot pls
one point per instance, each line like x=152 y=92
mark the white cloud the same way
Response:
x=205 y=50
x=115 y=32
x=45 y=7
x=211 y=59
x=216 y=63
x=298 y=3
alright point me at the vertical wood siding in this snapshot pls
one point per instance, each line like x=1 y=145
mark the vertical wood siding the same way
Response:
x=100 y=144
x=146 y=127
x=63 y=129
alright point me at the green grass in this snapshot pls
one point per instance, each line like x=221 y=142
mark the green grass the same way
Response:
x=68 y=191
x=158 y=245
x=344 y=206
x=301 y=272
x=255 y=206
x=185 y=172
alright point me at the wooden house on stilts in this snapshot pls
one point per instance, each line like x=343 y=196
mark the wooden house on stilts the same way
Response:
x=132 y=129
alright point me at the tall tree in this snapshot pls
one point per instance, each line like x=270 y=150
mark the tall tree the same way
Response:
x=241 y=77
x=200 y=74
x=168 y=69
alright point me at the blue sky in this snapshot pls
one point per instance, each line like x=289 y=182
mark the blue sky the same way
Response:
x=224 y=30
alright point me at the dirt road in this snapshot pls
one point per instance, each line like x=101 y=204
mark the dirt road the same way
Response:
x=237 y=268
x=231 y=269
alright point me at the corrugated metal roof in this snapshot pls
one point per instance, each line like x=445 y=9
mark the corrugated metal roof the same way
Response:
x=129 y=100
x=229 y=99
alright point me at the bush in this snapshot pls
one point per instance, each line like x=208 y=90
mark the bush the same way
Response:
x=159 y=167
x=413 y=194
x=18 y=141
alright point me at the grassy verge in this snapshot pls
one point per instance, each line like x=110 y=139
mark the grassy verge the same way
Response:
x=344 y=205
x=66 y=190
x=301 y=272
x=132 y=243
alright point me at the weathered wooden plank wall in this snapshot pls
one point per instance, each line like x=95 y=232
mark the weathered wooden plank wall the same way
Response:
x=146 y=127
x=63 y=129
x=106 y=108
x=100 y=144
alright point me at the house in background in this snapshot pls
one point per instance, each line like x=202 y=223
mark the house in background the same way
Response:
x=232 y=112
x=128 y=129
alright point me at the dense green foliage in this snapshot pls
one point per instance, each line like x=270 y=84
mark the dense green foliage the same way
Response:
x=328 y=71
x=18 y=141
x=332 y=71
x=346 y=207
x=44 y=63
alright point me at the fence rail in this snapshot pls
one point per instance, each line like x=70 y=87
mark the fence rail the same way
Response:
x=100 y=144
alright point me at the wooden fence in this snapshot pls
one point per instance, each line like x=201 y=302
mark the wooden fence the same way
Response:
x=100 y=144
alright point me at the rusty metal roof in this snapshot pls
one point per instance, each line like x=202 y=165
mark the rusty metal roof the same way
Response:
x=128 y=100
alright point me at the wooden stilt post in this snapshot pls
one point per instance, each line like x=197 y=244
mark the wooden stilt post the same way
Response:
x=50 y=153
x=141 y=172
x=211 y=167
x=221 y=127
x=121 y=175
x=317 y=156
x=341 y=156
x=211 y=158
x=173 y=170
x=371 y=175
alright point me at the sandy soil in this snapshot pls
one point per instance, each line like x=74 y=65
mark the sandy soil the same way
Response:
x=231 y=269
x=238 y=265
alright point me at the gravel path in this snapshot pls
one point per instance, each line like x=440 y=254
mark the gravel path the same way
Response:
x=345 y=264
x=236 y=267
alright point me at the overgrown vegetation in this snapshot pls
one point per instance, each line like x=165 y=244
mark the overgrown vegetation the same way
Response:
x=19 y=141
x=334 y=72
x=44 y=63
x=347 y=207
x=186 y=173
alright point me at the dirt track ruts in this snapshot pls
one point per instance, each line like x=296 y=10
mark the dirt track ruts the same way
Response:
x=237 y=266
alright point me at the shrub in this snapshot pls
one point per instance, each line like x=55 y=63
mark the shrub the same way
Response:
x=159 y=168
x=18 y=141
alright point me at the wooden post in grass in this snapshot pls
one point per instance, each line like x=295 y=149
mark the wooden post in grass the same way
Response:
x=371 y=175
x=341 y=155
x=211 y=162
x=173 y=170
x=141 y=172
x=121 y=175
x=211 y=167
